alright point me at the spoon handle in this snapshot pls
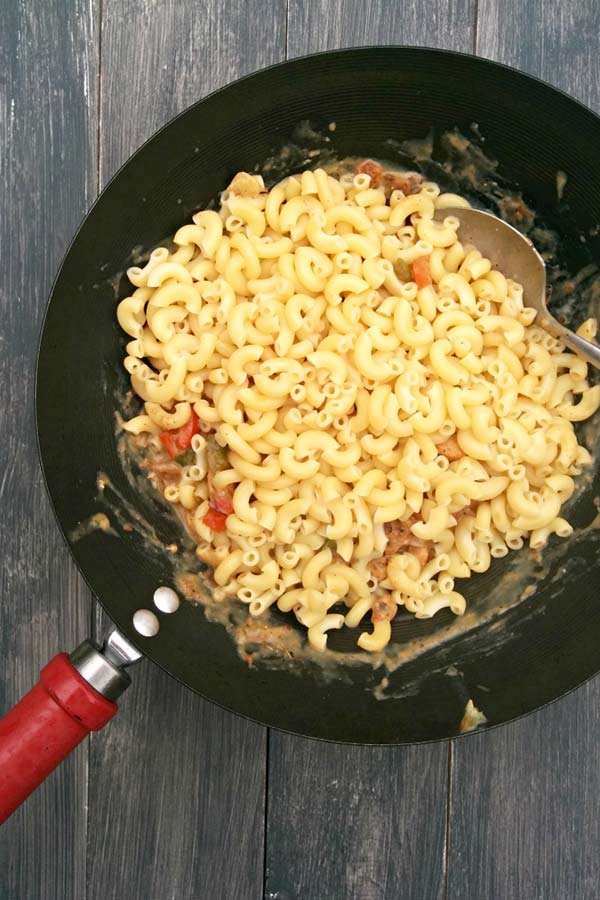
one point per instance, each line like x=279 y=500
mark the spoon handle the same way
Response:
x=588 y=350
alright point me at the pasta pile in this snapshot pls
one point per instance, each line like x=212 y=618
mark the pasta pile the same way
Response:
x=358 y=408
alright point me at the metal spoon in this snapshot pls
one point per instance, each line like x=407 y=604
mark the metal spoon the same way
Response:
x=515 y=256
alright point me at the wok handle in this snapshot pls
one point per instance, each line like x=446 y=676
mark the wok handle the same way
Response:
x=43 y=728
x=75 y=695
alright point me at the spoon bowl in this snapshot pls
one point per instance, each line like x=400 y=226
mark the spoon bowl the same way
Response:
x=514 y=255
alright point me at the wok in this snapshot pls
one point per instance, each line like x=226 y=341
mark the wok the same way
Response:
x=532 y=632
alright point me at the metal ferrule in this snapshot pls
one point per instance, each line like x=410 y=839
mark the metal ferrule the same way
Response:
x=104 y=668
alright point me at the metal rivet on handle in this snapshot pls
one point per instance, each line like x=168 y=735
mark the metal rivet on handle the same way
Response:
x=166 y=599
x=146 y=623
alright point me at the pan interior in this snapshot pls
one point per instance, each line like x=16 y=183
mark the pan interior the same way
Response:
x=366 y=102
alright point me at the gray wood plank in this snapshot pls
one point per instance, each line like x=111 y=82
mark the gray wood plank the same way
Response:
x=325 y=25
x=186 y=819
x=48 y=123
x=524 y=812
x=524 y=815
x=176 y=799
x=157 y=59
x=554 y=40
x=360 y=823
x=355 y=823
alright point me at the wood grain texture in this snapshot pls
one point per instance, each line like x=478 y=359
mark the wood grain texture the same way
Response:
x=324 y=25
x=360 y=823
x=524 y=799
x=355 y=823
x=160 y=57
x=524 y=820
x=176 y=800
x=177 y=786
x=557 y=41
x=48 y=75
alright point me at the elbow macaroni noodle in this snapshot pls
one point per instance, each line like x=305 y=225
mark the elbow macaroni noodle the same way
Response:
x=384 y=433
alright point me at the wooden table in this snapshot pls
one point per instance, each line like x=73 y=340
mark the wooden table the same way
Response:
x=178 y=800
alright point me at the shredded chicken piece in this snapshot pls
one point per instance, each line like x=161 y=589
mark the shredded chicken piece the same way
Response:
x=378 y=567
x=401 y=540
x=400 y=537
x=422 y=551
x=166 y=469
x=399 y=534
x=468 y=510
x=384 y=609
x=450 y=448
x=373 y=170
x=407 y=182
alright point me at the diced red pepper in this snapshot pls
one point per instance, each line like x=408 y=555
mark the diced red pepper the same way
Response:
x=180 y=439
x=215 y=520
x=168 y=441
x=184 y=435
x=420 y=271
x=222 y=500
x=373 y=170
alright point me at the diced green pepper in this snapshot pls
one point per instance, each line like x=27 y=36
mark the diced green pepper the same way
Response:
x=216 y=455
x=402 y=270
x=187 y=458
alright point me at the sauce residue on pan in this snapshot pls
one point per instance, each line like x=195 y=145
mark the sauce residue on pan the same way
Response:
x=561 y=183
x=127 y=516
x=99 y=521
x=472 y=718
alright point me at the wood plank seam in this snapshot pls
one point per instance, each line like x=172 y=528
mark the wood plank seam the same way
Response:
x=266 y=814
x=448 y=819
x=99 y=101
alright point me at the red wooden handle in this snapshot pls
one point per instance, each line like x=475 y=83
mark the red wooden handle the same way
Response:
x=44 y=727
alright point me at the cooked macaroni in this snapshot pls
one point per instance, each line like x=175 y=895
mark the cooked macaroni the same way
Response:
x=358 y=408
